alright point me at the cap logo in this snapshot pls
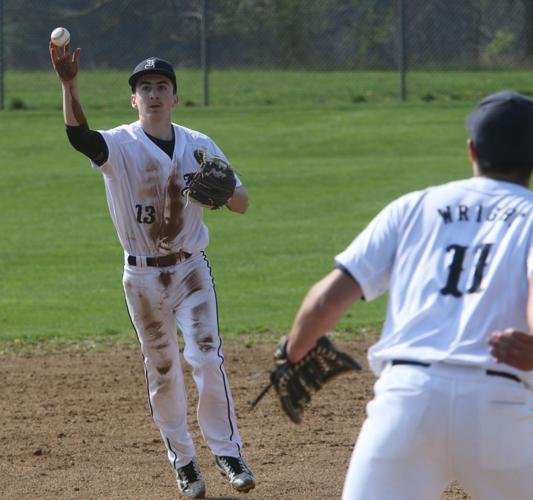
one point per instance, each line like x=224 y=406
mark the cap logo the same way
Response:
x=150 y=64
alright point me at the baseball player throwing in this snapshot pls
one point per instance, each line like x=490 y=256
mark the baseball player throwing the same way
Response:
x=454 y=399
x=146 y=167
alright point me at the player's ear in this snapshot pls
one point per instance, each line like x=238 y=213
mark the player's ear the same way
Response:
x=176 y=99
x=472 y=153
x=133 y=101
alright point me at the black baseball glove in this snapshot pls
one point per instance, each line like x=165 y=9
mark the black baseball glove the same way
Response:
x=214 y=184
x=294 y=382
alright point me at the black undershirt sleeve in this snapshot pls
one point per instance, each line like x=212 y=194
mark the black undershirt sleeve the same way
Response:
x=89 y=142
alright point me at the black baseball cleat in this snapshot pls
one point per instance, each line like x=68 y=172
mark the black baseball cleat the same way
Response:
x=236 y=471
x=190 y=481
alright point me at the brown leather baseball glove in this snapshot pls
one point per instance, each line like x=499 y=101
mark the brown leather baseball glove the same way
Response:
x=214 y=184
x=295 y=382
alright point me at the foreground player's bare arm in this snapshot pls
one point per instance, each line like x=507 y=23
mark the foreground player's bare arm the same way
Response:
x=321 y=309
x=512 y=347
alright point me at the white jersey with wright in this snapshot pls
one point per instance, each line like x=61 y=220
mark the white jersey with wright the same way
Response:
x=143 y=188
x=456 y=259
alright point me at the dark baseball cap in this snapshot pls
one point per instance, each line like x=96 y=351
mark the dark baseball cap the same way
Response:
x=150 y=66
x=501 y=129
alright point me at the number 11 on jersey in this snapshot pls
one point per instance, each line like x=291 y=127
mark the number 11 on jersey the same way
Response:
x=456 y=268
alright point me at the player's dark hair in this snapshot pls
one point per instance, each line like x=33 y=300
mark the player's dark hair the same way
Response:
x=487 y=167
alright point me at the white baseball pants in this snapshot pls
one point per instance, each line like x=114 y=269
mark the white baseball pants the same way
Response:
x=428 y=426
x=183 y=295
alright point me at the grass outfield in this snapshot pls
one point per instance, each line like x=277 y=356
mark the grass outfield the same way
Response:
x=315 y=175
x=108 y=90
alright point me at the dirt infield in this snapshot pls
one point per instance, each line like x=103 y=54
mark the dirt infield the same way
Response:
x=76 y=425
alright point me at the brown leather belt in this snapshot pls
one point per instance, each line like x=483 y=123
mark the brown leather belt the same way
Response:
x=162 y=261
x=492 y=373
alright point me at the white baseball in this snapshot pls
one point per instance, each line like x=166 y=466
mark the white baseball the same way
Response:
x=60 y=37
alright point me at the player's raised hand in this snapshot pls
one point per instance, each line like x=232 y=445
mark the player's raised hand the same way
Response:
x=65 y=63
x=513 y=348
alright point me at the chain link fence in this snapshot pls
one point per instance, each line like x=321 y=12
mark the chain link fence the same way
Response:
x=285 y=52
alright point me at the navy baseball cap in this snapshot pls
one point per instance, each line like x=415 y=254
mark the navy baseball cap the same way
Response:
x=150 y=66
x=501 y=129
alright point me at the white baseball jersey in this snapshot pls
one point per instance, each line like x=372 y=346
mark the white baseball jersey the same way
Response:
x=456 y=259
x=152 y=220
